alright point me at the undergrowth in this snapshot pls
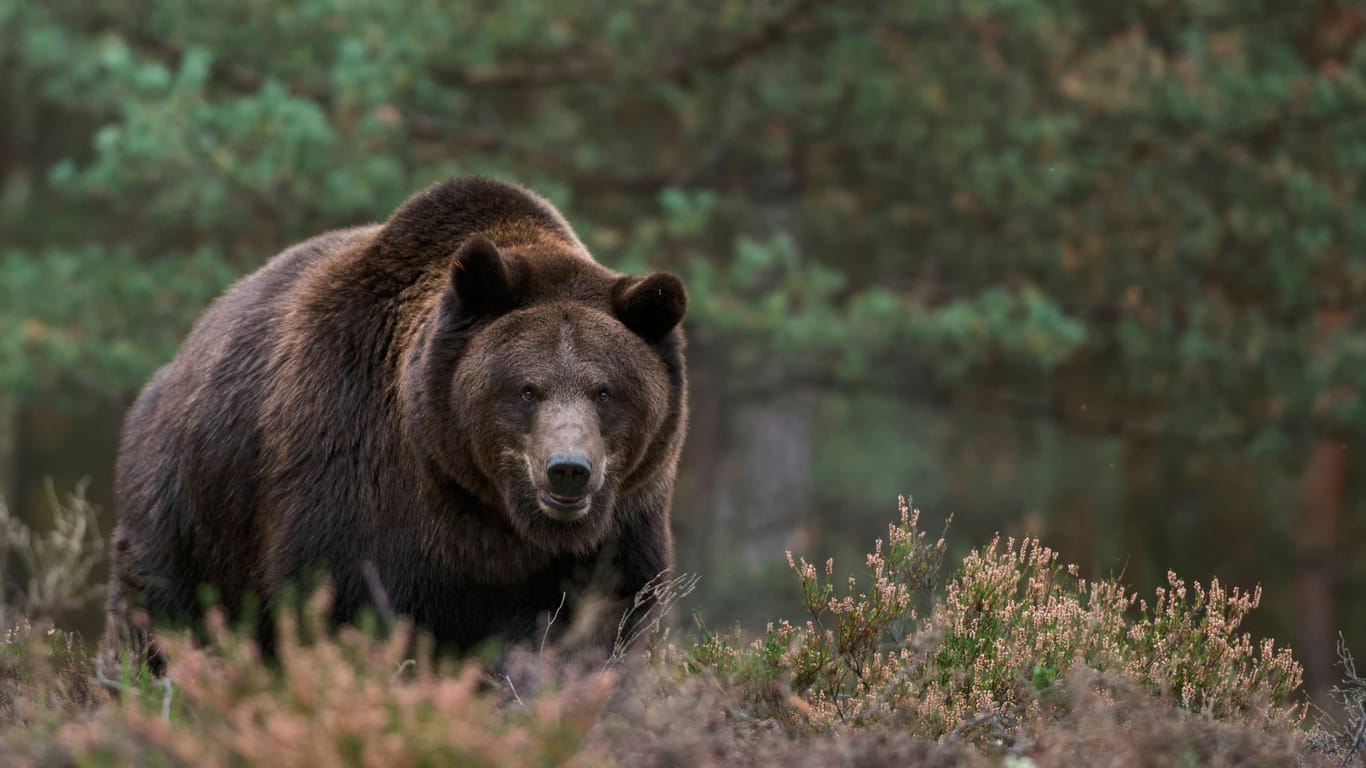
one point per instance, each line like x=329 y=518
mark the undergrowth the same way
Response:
x=1012 y=659
x=992 y=657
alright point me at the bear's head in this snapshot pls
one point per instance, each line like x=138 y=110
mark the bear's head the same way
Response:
x=555 y=385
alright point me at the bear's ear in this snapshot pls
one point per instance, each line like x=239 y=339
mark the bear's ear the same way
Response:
x=651 y=306
x=480 y=278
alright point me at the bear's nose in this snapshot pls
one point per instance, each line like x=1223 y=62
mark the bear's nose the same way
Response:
x=568 y=473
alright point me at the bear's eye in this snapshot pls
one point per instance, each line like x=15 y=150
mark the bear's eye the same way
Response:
x=528 y=393
x=604 y=394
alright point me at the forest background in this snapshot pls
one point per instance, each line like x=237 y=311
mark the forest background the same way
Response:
x=1094 y=272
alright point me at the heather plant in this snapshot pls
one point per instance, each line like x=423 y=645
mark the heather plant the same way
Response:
x=1015 y=620
x=992 y=655
x=45 y=676
x=344 y=698
x=845 y=662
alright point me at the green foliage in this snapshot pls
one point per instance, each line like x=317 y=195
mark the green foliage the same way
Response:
x=112 y=321
x=859 y=188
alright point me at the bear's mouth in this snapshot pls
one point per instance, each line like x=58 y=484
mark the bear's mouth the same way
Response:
x=563 y=508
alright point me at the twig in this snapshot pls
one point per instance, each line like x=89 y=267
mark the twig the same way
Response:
x=105 y=680
x=972 y=722
x=1352 y=695
x=508 y=679
x=167 y=688
x=403 y=667
x=545 y=637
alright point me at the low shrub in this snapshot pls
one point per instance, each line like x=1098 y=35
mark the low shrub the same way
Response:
x=992 y=655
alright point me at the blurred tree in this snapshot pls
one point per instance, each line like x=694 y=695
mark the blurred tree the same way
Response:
x=1140 y=222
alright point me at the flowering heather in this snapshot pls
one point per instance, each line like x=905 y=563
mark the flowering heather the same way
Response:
x=990 y=656
x=351 y=699
x=1014 y=621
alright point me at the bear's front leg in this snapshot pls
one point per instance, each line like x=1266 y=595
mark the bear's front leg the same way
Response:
x=641 y=559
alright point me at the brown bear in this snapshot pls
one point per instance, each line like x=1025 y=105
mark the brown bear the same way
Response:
x=458 y=412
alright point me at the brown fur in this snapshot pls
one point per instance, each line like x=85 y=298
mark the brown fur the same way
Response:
x=359 y=399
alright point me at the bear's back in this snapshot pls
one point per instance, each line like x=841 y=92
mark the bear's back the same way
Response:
x=189 y=472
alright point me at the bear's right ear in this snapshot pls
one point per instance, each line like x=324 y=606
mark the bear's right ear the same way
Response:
x=480 y=278
x=650 y=306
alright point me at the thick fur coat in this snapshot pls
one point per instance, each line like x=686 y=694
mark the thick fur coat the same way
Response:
x=460 y=402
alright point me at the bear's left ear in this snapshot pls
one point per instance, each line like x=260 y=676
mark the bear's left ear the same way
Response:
x=652 y=306
x=480 y=279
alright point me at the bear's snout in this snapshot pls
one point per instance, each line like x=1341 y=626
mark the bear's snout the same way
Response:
x=566 y=459
x=568 y=474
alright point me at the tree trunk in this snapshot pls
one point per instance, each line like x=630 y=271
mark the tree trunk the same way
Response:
x=763 y=501
x=1142 y=495
x=1323 y=486
x=701 y=471
x=9 y=450
x=9 y=440
x=1077 y=531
